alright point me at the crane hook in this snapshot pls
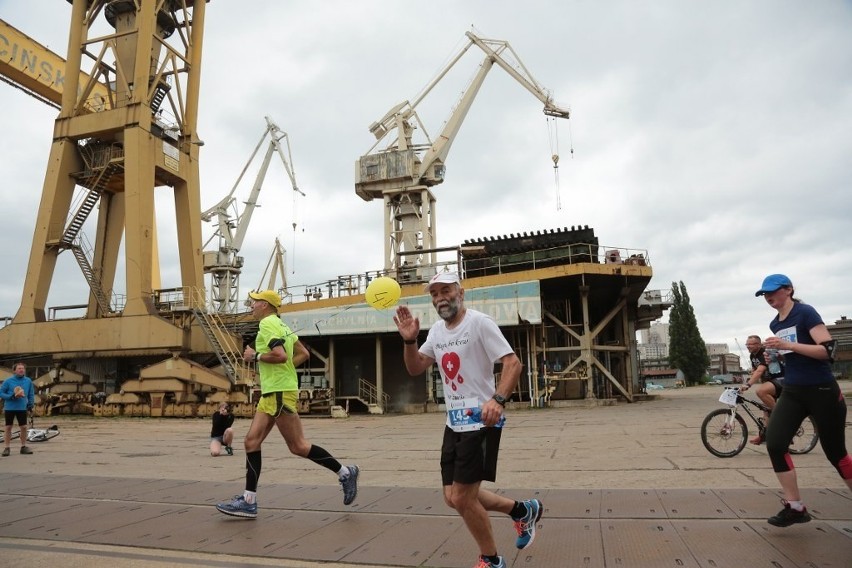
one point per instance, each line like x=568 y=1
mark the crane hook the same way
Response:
x=555 y=159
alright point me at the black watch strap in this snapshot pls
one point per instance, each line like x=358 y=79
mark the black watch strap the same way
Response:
x=500 y=400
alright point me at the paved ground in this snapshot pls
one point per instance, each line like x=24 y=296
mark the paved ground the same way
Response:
x=626 y=485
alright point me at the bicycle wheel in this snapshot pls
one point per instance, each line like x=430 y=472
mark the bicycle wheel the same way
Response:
x=720 y=438
x=806 y=437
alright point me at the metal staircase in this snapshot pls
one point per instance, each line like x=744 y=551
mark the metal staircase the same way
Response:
x=377 y=402
x=83 y=252
x=225 y=348
x=102 y=164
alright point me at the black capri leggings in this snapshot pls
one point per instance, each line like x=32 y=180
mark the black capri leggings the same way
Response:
x=825 y=403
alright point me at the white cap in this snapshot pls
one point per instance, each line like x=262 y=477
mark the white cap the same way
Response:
x=443 y=278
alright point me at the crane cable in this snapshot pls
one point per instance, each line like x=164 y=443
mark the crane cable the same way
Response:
x=297 y=220
x=553 y=138
x=292 y=262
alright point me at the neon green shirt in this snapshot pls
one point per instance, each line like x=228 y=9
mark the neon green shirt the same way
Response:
x=276 y=377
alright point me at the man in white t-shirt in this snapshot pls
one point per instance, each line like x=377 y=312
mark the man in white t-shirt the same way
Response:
x=466 y=344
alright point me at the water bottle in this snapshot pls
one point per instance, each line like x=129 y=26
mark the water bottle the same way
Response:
x=774 y=363
x=475 y=415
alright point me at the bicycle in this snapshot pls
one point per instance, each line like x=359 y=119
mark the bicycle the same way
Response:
x=37 y=434
x=724 y=431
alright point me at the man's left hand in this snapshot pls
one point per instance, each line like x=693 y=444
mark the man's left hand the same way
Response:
x=491 y=412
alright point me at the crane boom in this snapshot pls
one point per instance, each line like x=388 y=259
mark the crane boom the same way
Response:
x=402 y=172
x=231 y=226
x=38 y=71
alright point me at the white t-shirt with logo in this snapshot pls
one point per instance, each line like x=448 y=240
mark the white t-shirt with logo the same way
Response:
x=466 y=355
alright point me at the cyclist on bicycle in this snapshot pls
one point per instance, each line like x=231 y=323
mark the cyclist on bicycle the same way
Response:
x=769 y=384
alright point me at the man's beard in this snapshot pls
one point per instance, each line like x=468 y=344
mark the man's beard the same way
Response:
x=448 y=311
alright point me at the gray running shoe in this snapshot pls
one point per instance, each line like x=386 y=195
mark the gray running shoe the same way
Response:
x=238 y=508
x=350 y=485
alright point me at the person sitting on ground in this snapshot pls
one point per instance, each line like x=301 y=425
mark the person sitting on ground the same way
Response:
x=769 y=384
x=222 y=434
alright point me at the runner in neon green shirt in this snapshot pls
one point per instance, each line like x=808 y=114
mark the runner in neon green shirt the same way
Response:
x=277 y=352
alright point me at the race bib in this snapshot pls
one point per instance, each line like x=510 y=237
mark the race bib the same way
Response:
x=457 y=417
x=787 y=334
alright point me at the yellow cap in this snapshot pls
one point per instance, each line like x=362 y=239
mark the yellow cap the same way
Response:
x=269 y=296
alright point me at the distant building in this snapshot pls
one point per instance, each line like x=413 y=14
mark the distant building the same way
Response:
x=654 y=343
x=722 y=361
x=653 y=349
x=716 y=349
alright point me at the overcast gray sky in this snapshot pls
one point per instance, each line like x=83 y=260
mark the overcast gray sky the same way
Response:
x=715 y=135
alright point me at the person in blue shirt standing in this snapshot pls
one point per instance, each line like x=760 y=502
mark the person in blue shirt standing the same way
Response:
x=18 y=397
x=810 y=389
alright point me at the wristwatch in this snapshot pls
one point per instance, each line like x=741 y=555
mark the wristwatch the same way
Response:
x=500 y=400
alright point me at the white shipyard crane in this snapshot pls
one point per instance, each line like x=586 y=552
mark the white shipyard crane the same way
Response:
x=223 y=264
x=403 y=172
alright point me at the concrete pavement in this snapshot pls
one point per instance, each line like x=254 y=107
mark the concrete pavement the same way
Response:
x=622 y=486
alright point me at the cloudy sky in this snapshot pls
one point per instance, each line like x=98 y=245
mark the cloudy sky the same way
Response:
x=716 y=136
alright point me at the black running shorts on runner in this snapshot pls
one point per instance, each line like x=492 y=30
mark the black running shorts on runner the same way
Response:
x=11 y=415
x=469 y=457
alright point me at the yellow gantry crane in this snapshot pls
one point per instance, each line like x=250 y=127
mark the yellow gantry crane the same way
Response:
x=128 y=96
x=121 y=153
x=402 y=172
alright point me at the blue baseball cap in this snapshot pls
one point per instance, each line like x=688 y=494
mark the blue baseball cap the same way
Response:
x=773 y=282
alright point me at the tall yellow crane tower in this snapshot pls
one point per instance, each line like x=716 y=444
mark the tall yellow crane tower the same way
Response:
x=126 y=129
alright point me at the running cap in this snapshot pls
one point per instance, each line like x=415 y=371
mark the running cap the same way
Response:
x=271 y=297
x=773 y=282
x=443 y=278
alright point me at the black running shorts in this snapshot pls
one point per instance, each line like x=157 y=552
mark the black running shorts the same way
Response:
x=21 y=415
x=469 y=457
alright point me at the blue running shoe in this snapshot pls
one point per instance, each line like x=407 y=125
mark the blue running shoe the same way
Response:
x=525 y=526
x=350 y=485
x=483 y=563
x=238 y=508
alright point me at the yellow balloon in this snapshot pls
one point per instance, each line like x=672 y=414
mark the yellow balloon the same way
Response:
x=383 y=292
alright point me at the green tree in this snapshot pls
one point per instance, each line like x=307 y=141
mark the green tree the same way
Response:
x=687 y=350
